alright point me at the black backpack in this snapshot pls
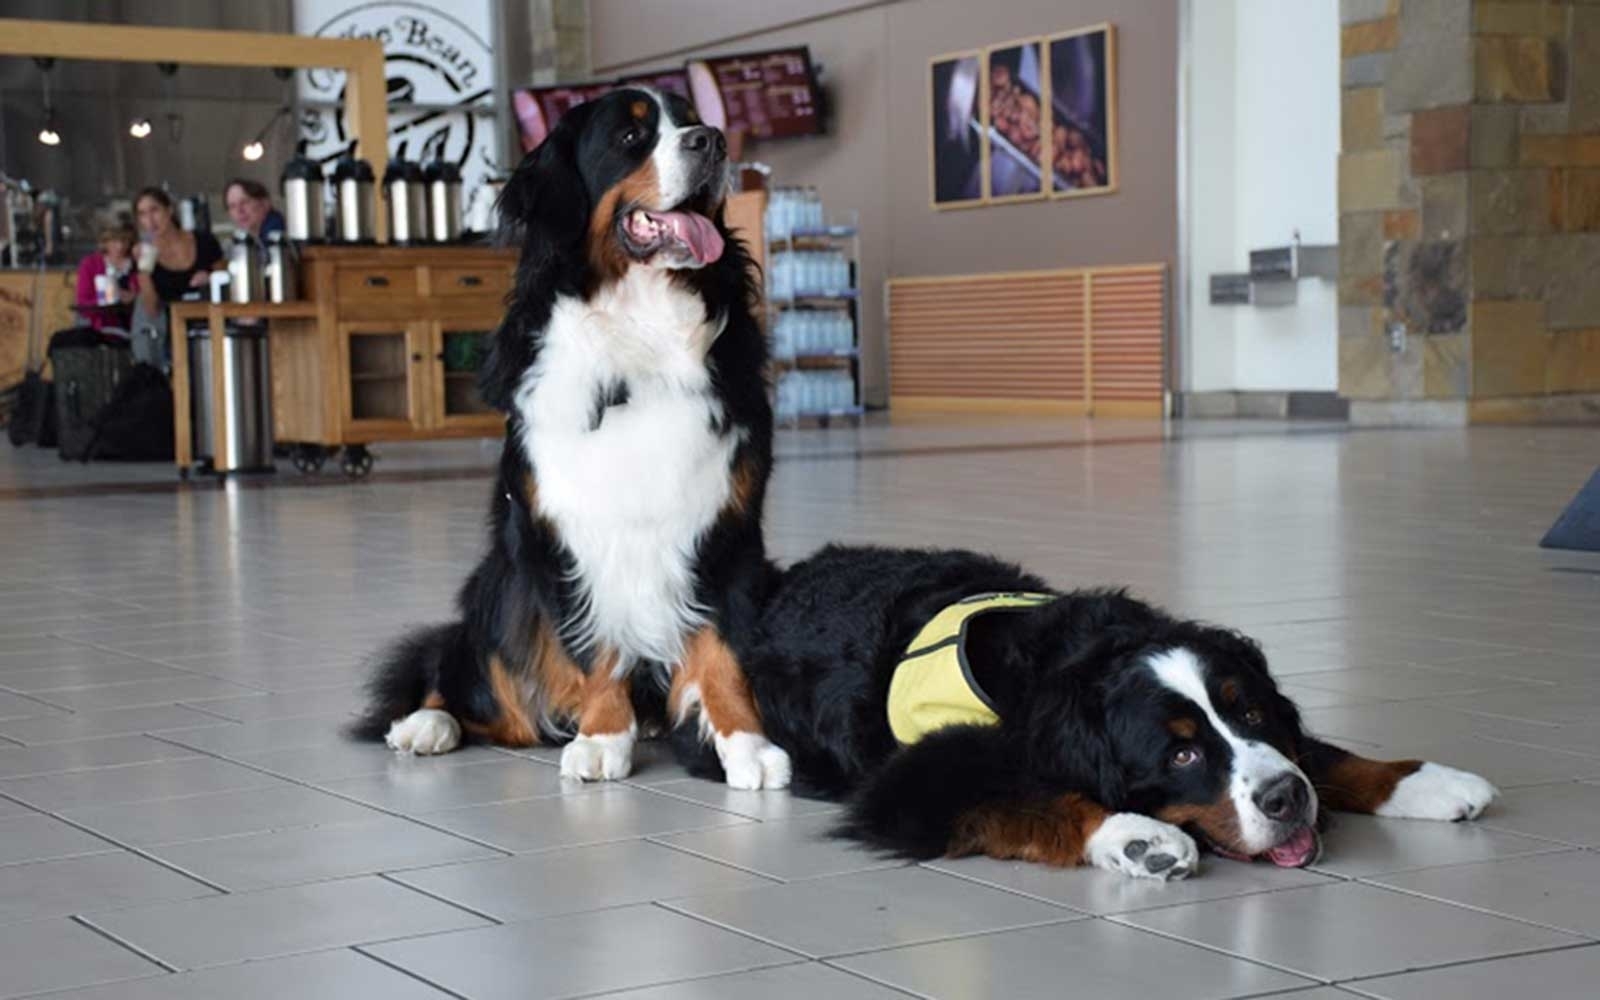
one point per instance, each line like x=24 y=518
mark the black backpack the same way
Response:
x=136 y=424
x=33 y=418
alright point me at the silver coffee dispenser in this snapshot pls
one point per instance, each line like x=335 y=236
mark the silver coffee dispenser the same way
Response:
x=444 y=201
x=355 y=199
x=246 y=275
x=407 y=201
x=304 y=216
x=282 y=269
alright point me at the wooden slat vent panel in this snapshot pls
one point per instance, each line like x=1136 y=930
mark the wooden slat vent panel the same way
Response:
x=1068 y=337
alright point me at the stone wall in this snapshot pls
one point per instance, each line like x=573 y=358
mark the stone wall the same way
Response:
x=1469 y=200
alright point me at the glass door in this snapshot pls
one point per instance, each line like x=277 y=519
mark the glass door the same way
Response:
x=461 y=348
x=382 y=362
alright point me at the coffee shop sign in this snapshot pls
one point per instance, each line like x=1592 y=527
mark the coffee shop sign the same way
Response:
x=428 y=36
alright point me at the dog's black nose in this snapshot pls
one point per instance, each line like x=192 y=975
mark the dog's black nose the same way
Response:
x=706 y=141
x=1284 y=798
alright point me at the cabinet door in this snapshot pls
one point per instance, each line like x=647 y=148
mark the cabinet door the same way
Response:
x=385 y=378
x=459 y=349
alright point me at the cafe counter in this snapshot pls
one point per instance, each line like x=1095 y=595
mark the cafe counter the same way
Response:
x=54 y=289
x=384 y=346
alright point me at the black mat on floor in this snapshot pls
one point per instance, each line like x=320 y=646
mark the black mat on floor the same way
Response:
x=1578 y=527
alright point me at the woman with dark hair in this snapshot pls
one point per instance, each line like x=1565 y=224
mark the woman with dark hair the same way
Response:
x=250 y=207
x=175 y=261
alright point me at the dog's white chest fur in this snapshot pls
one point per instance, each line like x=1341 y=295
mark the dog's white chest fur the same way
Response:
x=632 y=494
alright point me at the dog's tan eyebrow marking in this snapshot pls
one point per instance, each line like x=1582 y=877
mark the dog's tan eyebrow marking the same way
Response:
x=1184 y=729
x=1229 y=692
x=639 y=108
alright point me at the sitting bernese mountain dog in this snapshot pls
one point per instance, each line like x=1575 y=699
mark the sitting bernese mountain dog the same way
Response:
x=965 y=708
x=625 y=549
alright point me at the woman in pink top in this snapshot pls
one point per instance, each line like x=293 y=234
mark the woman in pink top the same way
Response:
x=107 y=280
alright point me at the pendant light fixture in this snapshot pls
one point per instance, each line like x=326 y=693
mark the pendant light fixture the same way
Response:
x=169 y=70
x=256 y=148
x=49 y=134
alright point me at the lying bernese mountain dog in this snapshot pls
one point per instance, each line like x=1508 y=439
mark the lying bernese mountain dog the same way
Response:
x=625 y=548
x=965 y=708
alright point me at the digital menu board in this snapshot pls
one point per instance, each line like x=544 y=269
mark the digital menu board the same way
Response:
x=668 y=81
x=539 y=108
x=765 y=95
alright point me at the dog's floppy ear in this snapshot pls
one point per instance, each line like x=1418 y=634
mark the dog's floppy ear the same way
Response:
x=546 y=205
x=546 y=196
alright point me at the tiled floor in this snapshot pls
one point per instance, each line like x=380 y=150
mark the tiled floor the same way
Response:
x=179 y=817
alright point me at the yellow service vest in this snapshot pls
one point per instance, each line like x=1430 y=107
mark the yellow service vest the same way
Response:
x=933 y=685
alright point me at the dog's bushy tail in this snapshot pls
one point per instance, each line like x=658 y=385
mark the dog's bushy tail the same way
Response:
x=404 y=675
x=912 y=806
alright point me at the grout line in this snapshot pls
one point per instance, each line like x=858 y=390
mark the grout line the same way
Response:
x=138 y=851
x=708 y=979
x=942 y=939
x=876 y=981
x=338 y=795
x=88 y=923
x=665 y=907
x=1216 y=949
x=1354 y=983
x=359 y=950
x=388 y=877
x=1457 y=904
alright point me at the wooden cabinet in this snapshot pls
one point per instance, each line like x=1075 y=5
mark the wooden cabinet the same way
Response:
x=409 y=380
x=385 y=346
x=383 y=392
x=458 y=348
x=408 y=328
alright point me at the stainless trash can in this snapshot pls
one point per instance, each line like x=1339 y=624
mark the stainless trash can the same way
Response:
x=247 y=393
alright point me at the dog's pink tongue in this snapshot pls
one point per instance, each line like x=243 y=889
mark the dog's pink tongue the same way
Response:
x=696 y=232
x=1296 y=852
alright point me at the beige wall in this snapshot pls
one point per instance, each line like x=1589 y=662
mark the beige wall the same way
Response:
x=875 y=159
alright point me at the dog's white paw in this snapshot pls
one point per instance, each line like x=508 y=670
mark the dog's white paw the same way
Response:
x=1438 y=792
x=598 y=757
x=425 y=731
x=1143 y=848
x=751 y=761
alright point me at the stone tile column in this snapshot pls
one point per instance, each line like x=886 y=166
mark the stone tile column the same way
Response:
x=1469 y=201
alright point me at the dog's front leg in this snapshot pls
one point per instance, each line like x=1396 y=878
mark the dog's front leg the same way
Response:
x=1074 y=830
x=709 y=679
x=1406 y=789
x=603 y=748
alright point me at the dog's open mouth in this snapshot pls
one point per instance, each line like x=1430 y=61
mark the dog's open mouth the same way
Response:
x=682 y=233
x=1301 y=848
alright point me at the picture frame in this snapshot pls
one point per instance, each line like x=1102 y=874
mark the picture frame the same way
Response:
x=957 y=119
x=1082 y=152
x=1016 y=95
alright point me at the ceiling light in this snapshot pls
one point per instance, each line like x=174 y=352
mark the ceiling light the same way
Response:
x=139 y=128
x=48 y=134
x=257 y=147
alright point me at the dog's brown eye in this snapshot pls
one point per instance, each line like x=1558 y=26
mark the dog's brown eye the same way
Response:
x=1254 y=717
x=1186 y=757
x=631 y=136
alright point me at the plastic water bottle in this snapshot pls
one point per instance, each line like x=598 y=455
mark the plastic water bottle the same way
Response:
x=782 y=275
x=786 y=407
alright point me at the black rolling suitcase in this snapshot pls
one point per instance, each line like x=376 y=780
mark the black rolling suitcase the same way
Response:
x=86 y=371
